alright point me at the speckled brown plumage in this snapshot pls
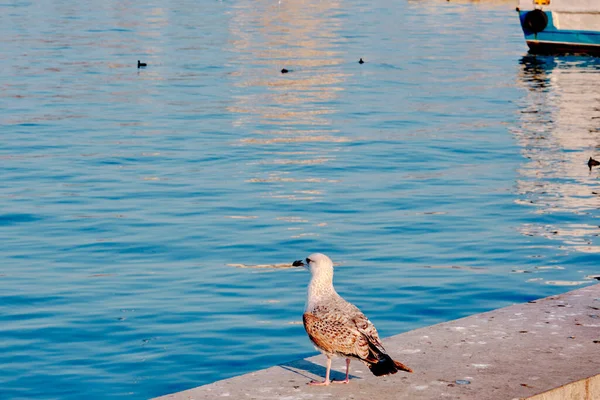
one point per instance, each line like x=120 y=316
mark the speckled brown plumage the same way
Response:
x=346 y=332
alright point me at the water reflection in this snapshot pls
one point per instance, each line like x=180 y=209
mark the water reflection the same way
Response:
x=479 y=3
x=285 y=121
x=558 y=131
x=296 y=107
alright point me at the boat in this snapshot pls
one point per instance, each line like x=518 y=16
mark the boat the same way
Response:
x=561 y=26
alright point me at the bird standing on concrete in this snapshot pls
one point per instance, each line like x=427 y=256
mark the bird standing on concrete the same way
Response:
x=338 y=328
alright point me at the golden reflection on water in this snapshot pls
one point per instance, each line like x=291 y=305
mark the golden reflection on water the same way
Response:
x=296 y=35
x=558 y=131
x=283 y=112
x=480 y=3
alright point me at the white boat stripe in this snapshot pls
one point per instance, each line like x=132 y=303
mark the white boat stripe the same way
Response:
x=570 y=43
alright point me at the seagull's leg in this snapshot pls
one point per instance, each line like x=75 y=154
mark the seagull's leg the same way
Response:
x=347 y=373
x=326 y=382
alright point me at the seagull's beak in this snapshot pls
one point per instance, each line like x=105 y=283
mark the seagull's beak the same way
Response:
x=298 y=263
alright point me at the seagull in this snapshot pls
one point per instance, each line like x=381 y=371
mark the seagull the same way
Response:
x=339 y=328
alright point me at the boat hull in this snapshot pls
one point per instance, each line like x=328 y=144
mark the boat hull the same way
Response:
x=553 y=47
x=553 y=39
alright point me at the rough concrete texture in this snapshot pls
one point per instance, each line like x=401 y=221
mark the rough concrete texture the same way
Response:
x=511 y=353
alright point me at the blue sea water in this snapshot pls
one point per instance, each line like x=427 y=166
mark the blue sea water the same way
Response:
x=447 y=175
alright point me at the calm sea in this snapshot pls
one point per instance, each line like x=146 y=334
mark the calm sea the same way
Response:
x=447 y=175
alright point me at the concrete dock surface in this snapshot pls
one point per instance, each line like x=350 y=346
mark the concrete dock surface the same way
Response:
x=546 y=349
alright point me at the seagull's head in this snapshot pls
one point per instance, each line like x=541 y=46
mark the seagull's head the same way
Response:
x=316 y=263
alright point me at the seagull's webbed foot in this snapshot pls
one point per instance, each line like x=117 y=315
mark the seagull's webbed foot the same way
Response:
x=344 y=381
x=316 y=383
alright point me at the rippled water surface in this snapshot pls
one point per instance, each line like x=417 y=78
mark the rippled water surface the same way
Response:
x=447 y=175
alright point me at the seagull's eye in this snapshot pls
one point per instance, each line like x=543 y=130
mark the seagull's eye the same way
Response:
x=308 y=260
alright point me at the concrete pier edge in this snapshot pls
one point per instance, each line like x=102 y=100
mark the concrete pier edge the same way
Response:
x=547 y=349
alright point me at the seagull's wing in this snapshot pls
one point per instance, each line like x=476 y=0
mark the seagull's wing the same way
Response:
x=334 y=335
x=366 y=328
x=350 y=336
x=382 y=364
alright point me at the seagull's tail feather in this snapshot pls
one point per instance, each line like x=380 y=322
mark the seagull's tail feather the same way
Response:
x=402 y=367
x=386 y=366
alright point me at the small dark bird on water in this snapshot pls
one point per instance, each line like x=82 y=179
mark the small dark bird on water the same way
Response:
x=361 y=61
x=284 y=71
x=141 y=64
x=592 y=163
